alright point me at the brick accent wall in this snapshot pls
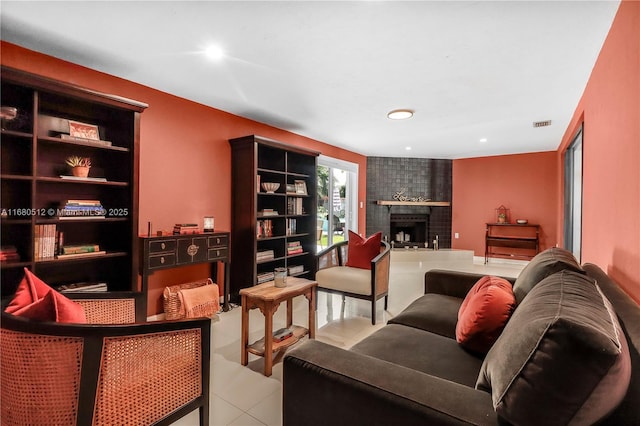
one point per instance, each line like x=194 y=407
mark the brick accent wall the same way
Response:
x=427 y=178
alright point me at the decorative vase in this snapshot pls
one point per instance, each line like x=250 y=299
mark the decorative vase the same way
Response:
x=80 y=171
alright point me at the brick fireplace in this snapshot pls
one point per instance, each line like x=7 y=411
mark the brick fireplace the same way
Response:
x=422 y=177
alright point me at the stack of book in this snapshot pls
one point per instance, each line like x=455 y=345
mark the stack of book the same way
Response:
x=45 y=242
x=293 y=270
x=71 y=251
x=294 y=247
x=264 y=256
x=9 y=254
x=265 y=276
x=82 y=209
x=186 y=228
x=268 y=212
x=82 y=287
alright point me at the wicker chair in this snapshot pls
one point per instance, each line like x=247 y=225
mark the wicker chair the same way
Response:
x=111 y=371
x=334 y=277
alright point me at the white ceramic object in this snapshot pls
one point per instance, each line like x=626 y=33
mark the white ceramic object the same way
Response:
x=270 y=187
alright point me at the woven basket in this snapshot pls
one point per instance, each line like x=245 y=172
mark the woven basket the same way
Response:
x=173 y=308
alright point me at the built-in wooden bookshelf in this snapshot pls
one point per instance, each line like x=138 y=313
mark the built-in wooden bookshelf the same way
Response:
x=271 y=229
x=35 y=182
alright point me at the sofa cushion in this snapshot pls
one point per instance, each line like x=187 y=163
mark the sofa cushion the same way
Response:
x=34 y=299
x=345 y=278
x=423 y=351
x=432 y=312
x=541 y=266
x=362 y=251
x=561 y=359
x=484 y=313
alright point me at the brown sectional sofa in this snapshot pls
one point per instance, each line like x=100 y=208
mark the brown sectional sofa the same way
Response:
x=568 y=355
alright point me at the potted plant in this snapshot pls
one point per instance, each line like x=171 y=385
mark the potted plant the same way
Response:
x=79 y=165
x=502 y=218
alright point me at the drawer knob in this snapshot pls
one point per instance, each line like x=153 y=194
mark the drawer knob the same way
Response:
x=163 y=245
x=162 y=260
x=192 y=250
x=217 y=240
x=217 y=252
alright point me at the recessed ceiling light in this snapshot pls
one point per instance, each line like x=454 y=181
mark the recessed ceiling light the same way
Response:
x=400 y=114
x=214 y=52
x=408 y=148
x=483 y=140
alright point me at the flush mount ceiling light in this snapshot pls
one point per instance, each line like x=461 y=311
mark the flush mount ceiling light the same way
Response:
x=483 y=140
x=400 y=114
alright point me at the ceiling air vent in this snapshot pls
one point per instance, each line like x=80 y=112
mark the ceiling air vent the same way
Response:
x=542 y=123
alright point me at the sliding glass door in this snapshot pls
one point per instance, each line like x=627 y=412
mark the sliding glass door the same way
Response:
x=573 y=196
x=337 y=200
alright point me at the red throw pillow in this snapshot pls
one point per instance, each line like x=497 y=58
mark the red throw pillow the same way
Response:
x=34 y=299
x=484 y=313
x=361 y=252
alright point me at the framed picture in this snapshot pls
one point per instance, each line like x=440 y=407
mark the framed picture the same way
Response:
x=83 y=130
x=291 y=188
x=301 y=187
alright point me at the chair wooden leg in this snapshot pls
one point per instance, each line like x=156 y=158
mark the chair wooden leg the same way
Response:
x=373 y=311
x=204 y=415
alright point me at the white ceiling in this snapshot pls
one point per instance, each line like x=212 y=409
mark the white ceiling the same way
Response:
x=332 y=70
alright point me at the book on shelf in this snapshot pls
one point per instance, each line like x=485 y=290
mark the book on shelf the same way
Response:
x=82 y=287
x=294 y=247
x=268 y=212
x=9 y=254
x=296 y=269
x=80 y=248
x=82 y=217
x=292 y=226
x=95 y=203
x=264 y=228
x=264 y=277
x=294 y=206
x=44 y=242
x=265 y=255
x=76 y=255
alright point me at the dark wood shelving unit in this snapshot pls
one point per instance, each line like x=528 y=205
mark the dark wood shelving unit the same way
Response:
x=271 y=161
x=33 y=158
x=525 y=238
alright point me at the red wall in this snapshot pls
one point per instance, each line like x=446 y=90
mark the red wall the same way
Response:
x=185 y=159
x=610 y=109
x=527 y=184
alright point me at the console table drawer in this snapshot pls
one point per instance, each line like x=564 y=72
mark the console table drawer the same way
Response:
x=192 y=250
x=162 y=261
x=218 y=240
x=218 y=253
x=162 y=246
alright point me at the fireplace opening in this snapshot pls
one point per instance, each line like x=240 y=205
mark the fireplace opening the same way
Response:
x=408 y=229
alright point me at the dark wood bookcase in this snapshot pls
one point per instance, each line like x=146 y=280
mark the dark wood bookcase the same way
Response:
x=292 y=220
x=33 y=158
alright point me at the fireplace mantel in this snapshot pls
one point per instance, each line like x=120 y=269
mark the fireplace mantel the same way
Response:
x=413 y=203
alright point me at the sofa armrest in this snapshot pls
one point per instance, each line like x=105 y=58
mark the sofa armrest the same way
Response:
x=452 y=283
x=328 y=385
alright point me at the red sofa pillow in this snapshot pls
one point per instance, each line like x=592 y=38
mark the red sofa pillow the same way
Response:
x=484 y=313
x=34 y=299
x=361 y=252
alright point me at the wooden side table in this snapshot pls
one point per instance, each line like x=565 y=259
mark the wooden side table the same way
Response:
x=267 y=298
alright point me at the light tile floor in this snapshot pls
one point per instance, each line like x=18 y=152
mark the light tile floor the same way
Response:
x=243 y=396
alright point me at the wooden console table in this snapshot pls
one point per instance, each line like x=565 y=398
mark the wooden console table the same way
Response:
x=512 y=235
x=267 y=298
x=172 y=251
